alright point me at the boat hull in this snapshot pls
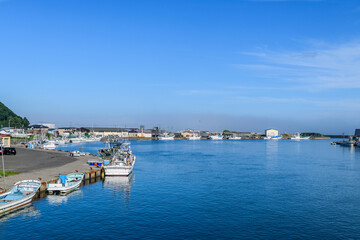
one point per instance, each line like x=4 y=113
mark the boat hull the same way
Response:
x=50 y=146
x=166 y=138
x=58 y=188
x=16 y=204
x=216 y=137
x=20 y=202
x=53 y=188
x=118 y=171
x=193 y=138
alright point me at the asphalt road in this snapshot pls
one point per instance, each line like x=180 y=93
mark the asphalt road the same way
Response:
x=27 y=160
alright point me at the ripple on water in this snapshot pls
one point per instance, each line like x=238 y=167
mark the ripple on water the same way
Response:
x=209 y=190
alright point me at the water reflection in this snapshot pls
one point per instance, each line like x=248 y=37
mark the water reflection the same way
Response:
x=91 y=181
x=272 y=147
x=25 y=211
x=62 y=199
x=120 y=183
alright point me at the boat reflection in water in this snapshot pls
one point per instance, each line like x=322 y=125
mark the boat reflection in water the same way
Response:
x=120 y=183
x=62 y=199
x=26 y=211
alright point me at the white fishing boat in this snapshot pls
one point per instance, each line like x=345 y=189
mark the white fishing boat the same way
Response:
x=65 y=183
x=77 y=140
x=298 y=137
x=276 y=138
x=122 y=162
x=234 y=138
x=49 y=145
x=216 y=137
x=193 y=137
x=61 y=141
x=19 y=195
x=166 y=138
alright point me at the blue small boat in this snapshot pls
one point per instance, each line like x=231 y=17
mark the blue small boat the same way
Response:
x=19 y=195
x=66 y=183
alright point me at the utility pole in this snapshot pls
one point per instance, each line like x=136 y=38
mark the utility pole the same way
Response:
x=3 y=165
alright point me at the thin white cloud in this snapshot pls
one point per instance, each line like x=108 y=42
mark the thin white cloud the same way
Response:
x=332 y=67
x=259 y=67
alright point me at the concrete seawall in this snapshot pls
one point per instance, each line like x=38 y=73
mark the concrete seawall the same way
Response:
x=42 y=164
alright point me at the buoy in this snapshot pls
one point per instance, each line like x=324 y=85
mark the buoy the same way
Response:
x=102 y=173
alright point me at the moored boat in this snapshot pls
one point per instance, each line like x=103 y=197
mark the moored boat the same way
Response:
x=234 y=138
x=216 y=137
x=166 y=138
x=19 y=195
x=122 y=162
x=349 y=143
x=77 y=140
x=193 y=137
x=298 y=137
x=49 y=146
x=66 y=183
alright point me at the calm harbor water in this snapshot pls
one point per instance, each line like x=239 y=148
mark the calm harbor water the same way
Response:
x=247 y=189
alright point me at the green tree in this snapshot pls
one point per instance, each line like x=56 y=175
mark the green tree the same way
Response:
x=9 y=118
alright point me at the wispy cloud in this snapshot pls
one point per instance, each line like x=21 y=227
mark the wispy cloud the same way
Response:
x=236 y=96
x=331 y=67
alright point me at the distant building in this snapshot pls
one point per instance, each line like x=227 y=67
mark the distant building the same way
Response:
x=38 y=129
x=271 y=132
x=5 y=140
x=357 y=133
x=133 y=133
x=119 y=132
x=145 y=133
x=66 y=130
x=14 y=132
x=189 y=133
x=156 y=132
x=244 y=135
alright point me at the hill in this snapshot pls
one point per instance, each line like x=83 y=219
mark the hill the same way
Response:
x=6 y=116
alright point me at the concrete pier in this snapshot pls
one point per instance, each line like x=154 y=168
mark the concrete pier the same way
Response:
x=44 y=165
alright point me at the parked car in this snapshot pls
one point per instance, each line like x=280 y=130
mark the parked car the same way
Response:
x=9 y=151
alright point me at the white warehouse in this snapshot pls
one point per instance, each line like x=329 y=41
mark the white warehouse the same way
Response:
x=271 y=132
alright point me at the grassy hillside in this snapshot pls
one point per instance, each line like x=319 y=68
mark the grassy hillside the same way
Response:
x=15 y=121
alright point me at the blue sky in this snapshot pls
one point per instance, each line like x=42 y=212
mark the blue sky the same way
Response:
x=244 y=65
